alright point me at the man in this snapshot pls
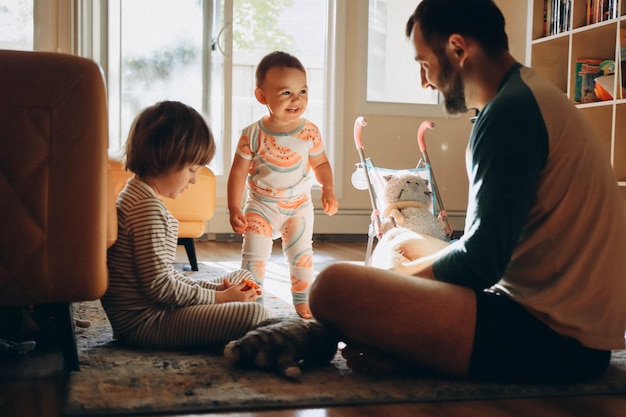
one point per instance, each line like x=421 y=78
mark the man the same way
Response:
x=534 y=290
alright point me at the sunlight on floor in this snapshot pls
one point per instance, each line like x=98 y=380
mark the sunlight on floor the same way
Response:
x=277 y=281
x=312 y=413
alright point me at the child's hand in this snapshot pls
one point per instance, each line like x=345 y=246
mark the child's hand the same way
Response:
x=249 y=284
x=237 y=292
x=329 y=202
x=226 y=284
x=238 y=221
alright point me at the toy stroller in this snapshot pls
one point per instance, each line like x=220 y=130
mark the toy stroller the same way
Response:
x=370 y=177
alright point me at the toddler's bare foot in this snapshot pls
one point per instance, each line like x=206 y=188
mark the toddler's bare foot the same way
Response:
x=303 y=310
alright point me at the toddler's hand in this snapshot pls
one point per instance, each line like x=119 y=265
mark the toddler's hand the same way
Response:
x=238 y=221
x=329 y=203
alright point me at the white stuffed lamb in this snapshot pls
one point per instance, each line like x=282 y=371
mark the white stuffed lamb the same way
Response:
x=407 y=199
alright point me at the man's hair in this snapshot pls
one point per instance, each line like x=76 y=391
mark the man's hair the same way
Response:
x=480 y=20
x=276 y=59
x=165 y=136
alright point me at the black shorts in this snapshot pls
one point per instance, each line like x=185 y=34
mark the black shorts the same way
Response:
x=511 y=345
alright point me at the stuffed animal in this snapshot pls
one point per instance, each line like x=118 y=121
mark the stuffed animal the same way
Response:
x=407 y=198
x=283 y=345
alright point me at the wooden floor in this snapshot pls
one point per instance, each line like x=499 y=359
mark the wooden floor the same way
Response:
x=27 y=390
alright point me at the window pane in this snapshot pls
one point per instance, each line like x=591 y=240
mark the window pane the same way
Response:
x=392 y=73
x=161 y=55
x=16 y=25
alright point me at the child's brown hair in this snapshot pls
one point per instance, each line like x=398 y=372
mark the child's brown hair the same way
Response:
x=167 y=136
x=276 y=59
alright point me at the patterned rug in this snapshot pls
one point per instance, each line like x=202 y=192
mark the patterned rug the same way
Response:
x=115 y=380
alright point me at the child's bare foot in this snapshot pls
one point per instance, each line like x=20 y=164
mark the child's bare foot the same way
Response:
x=303 y=310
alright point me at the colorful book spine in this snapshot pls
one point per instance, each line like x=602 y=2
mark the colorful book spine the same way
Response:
x=622 y=66
x=601 y=10
x=557 y=16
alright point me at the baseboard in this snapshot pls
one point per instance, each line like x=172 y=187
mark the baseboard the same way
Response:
x=345 y=222
x=325 y=237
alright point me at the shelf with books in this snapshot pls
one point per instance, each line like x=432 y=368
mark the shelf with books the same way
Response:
x=587 y=44
x=556 y=57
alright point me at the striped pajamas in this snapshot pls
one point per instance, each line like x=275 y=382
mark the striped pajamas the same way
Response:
x=148 y=302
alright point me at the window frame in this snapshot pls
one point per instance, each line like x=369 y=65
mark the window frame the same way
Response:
x=386 y=108
x=89 y=34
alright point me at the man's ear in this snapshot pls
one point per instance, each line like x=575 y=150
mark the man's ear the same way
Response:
x=260 y=95
x=457 y=44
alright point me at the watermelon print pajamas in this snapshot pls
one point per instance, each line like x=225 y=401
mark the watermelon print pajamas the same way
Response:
x=278 y=202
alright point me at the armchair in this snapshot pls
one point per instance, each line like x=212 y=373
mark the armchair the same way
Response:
x=56 y=209
x=192 y=208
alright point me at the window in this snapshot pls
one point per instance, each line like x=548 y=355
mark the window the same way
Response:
x=16 y=25
x=393 y=84
x=205 y=54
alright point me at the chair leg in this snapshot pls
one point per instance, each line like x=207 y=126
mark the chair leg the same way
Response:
x=191 y=251
x=64 y=322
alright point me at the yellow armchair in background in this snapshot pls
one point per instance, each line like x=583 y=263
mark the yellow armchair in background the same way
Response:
x=192 y=208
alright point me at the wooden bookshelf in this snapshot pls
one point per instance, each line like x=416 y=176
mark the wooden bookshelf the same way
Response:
x=554 y=57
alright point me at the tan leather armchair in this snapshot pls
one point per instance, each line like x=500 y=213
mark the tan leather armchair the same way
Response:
x=56 y=209
x=192 y=208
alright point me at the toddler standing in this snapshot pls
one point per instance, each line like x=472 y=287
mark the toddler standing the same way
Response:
x=148 y=302
x=273 y=161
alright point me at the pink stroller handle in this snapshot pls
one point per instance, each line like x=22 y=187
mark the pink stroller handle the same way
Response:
x=358 y=124
x=420 y=133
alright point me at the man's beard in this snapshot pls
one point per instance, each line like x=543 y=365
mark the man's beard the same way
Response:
x=452 y=87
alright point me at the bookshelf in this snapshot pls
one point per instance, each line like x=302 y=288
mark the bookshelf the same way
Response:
x=554 y=56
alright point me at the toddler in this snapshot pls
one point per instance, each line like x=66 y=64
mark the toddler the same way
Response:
x=273 y=161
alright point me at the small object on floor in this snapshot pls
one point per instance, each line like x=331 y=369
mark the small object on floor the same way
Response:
x=83 y=324
x=284 y=345
x=9 y=347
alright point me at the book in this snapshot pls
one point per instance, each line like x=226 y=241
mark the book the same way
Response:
x=601 y=10
x=557 y=16
x=587 y=70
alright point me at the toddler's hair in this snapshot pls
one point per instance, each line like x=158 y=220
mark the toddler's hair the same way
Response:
x=276 y=59
x=167 y=136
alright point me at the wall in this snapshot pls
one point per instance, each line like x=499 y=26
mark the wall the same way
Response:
x=391 y=140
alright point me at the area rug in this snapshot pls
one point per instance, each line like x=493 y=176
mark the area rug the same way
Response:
x=115 y=380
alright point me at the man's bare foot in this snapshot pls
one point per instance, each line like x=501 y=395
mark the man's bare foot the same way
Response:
x=369 y=360
x=303 y=311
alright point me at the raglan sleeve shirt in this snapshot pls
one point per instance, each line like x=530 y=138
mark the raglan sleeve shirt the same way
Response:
x=545 y=221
